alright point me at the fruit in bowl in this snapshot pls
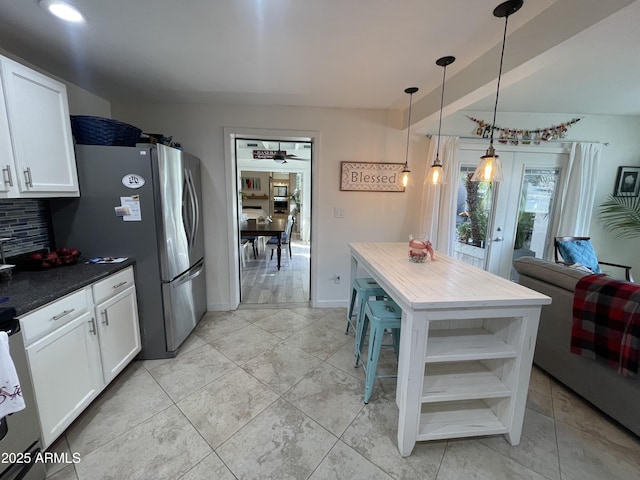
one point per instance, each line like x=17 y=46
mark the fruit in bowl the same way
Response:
x=62 y=256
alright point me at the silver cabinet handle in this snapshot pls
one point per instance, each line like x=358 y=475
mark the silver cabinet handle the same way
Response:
x=106 y=318
x=63 y=314
x=119 y=285
x=93 y=326
x=7 y=178
x=28 y=179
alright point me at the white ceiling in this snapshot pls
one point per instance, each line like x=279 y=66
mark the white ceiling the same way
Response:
x=562 y=56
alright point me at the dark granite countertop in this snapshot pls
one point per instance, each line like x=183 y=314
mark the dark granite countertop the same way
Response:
x=28 y=290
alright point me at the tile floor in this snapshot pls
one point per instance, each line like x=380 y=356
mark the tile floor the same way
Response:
x=272 y=394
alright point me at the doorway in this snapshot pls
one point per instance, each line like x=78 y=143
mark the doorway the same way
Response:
x=496 y=223
x=273 y=181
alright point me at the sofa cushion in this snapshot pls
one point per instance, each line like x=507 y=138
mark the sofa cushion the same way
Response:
x=559 y=275
x=579 y=251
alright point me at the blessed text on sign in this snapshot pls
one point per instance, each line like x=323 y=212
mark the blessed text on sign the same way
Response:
x=371 y=177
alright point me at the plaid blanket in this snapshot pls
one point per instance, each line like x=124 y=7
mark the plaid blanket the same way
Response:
x=606 y=322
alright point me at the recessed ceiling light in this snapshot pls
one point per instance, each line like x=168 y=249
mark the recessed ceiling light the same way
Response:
x=62 y=10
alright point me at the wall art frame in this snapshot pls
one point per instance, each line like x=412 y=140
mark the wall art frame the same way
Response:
x=627 y=182
x=371 y=177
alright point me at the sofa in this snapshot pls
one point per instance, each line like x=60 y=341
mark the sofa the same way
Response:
x=601 y=385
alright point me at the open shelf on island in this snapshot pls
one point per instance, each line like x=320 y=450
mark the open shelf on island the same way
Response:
x=461 y=381
x=457 y=420
x=466 y=344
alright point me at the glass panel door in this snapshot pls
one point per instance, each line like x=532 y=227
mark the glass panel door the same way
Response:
x=496 y=223
x=535 y=214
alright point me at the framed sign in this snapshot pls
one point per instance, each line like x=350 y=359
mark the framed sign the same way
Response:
x=627 y=182
x=371 y=177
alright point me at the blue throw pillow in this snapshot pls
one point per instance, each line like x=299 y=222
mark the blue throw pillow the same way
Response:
x=579 y=251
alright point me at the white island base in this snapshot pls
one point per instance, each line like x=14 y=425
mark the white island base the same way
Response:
x=466 y=345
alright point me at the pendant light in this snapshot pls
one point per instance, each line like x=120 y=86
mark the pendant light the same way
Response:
x=435 y=174
x=490 y=169
x=405 y=170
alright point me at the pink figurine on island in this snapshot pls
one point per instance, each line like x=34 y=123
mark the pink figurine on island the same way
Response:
x=419 y=247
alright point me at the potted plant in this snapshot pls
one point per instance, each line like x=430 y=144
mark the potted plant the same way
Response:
x=621 y=216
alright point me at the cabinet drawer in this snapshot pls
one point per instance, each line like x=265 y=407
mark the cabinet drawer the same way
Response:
x=54 y=315
x=116 y=283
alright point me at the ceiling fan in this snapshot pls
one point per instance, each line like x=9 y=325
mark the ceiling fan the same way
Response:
x=281 y=157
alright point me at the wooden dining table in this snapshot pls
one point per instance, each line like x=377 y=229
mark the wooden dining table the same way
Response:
x=273 y=228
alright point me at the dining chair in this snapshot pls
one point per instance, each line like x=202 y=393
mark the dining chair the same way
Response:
x=574 y=250
x=285 y=238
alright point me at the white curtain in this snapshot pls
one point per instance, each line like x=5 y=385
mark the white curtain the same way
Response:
x=439 y=201
x=579 y=189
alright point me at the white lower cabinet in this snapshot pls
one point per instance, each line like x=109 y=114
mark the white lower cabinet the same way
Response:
x=119 y=334
x=75 y=348
x=66 y=374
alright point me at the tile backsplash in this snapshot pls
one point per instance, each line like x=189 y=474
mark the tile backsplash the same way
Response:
x=27 y=222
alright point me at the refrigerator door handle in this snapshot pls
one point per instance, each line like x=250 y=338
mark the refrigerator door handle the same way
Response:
x=189 y=277
x=186 y=193
x=196 y=225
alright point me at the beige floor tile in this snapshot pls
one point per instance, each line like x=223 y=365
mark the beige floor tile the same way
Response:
x=318 y=340
x=280 y=443
x=374 y=435
x=573 y=410
x=191 y=371
x=61 y=449
x=165 y=447
x=466 y=459
x=245 y=344
x=213 y=327
x=343 y=462
x=585 y=456
x=284 y=324
x=329 y=396
x=281 y=367
x=211 y=468
x=123 y=405
x=67 y=473
x=538 y=448
x=225 y=405
x=539 y=397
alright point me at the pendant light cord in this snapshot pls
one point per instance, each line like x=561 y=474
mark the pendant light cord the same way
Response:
x=495 y=108
x=406 y=157
x=444 y=73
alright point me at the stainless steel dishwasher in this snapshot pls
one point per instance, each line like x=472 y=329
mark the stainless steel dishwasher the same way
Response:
x=20 y=431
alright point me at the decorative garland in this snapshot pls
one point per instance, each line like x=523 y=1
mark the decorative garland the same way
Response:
x=526 y=137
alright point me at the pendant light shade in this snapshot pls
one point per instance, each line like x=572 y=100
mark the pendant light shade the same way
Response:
x=435 y=174
x=490 y=169
x=405 y=170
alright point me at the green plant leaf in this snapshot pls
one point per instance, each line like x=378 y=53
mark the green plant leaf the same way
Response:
x=621 y=216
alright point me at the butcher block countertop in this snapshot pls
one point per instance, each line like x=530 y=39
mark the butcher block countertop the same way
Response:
x=28 y=290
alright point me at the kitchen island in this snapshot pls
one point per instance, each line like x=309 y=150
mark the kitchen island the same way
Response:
x=466 y=344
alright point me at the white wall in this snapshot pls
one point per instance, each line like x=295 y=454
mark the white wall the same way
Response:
x=344 y=135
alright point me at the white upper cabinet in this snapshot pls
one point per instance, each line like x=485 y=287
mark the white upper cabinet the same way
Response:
x=36 y=150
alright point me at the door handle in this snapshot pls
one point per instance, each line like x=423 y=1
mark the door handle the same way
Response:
x=28 y=179
x=194 y=196
x=7 y=180
x=498 y=239
x=106 y=318
x=187 y=278
x=63 y=314
x=93 y=326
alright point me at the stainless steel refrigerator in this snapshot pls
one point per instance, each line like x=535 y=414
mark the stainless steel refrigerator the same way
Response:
x=143 y=202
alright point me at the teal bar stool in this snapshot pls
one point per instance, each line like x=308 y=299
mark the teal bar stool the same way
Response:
x=362 y=289
x=379 y=316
